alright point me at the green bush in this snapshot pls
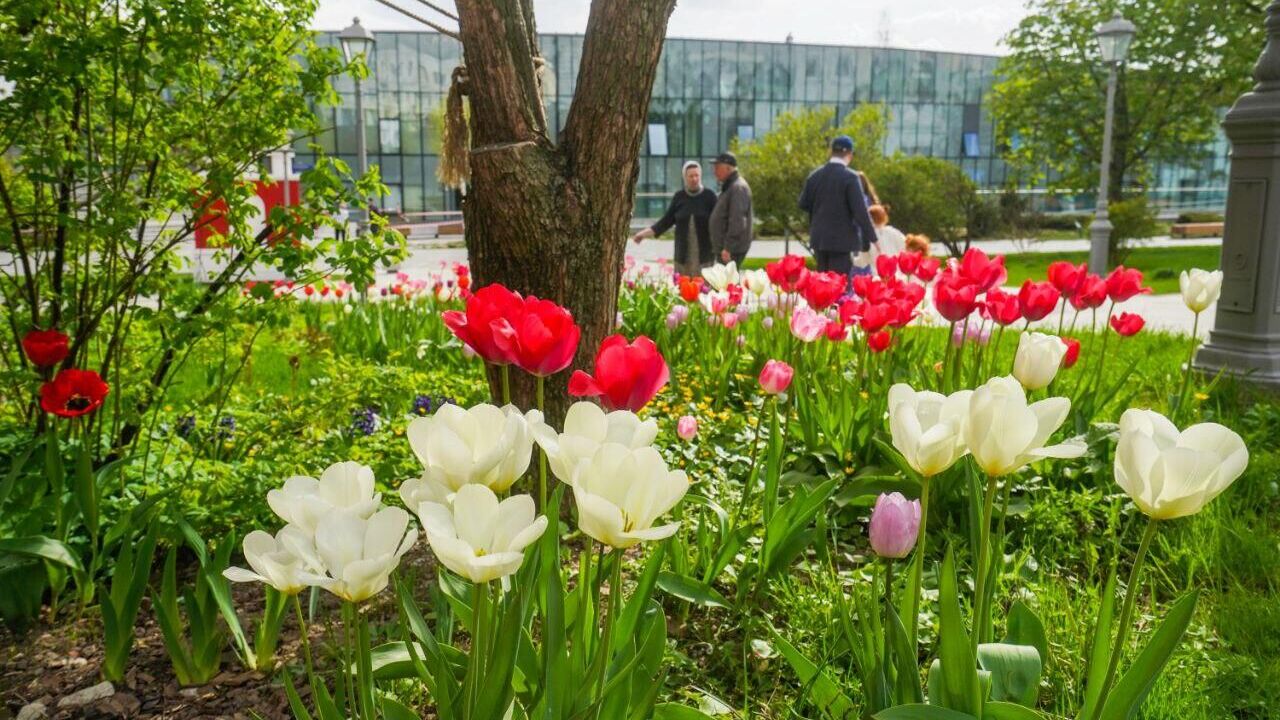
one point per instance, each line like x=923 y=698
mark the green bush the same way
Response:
x=1062 y=221
x=1131 y=219
x=927 y=195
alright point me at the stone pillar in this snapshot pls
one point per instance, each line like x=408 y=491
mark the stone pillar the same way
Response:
x=1246 y=334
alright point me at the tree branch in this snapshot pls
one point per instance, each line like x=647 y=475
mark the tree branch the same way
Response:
x=506 y=106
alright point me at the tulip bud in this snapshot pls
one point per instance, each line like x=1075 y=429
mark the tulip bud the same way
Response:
x=1038 y=358
x=767 y=322
x=687 y=427
x=895 y=522
x=1200 y=288
x=776 y=376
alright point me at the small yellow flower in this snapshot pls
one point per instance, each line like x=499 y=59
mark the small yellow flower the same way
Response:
x=1201 y=396
x=863 y=394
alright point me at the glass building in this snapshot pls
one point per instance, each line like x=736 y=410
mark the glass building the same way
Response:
x=705 y=94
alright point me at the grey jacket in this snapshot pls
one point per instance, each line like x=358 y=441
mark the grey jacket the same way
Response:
x=732 y=219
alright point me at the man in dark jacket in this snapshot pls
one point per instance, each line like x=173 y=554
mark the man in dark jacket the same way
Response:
x=839 y=224
x=732 y=219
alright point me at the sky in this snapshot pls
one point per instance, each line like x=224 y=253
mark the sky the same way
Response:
x=973 y=27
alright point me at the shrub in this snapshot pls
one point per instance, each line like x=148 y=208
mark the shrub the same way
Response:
x=1131 y=219
x=927 y=195
x=1199 y=216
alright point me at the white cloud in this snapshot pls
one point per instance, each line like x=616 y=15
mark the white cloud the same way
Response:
x=975 y=27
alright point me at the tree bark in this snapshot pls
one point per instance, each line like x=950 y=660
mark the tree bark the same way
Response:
x=550 y=219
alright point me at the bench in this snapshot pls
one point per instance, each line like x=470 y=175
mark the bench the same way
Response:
x=1196 y=230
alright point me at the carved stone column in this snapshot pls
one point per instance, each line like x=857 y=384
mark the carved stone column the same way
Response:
x=1246 y=336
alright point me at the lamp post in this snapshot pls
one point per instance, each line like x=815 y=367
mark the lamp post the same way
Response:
x=1114 y=37
x=356 y=42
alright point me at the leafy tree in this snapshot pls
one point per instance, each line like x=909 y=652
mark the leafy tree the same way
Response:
x=1189 y=60
x=929 y=196
x=777 y=163
x=130 y=121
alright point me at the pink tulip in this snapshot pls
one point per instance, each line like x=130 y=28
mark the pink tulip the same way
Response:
x=776 y=377
x=895 y=521
x=729 y=320
x=807 y=325
x=687 y=427
x=767 y=322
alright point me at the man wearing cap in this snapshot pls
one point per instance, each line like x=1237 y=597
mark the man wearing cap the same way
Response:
x=839 y=224
x=731 y=220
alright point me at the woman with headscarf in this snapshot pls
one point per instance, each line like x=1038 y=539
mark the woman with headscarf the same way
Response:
x=690 y=206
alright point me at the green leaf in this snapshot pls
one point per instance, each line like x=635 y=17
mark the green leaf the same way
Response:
x=40 y=547
x=394 y=710
x=822 y=690
x=673 y=711
x=1015 y=671
x=1023 y=627
x=1009 y=711
x=918 y=711
x=295 y=703
x=1126 y=697
x=959 y=666
x=1100 y=652
x=691 y=590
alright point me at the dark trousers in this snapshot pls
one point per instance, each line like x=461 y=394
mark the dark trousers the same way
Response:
x=738 y=257
x=834 y=261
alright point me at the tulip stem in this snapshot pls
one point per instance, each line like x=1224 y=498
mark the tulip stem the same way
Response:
x=917 y=571
x=981 y=611
x=506 y=384
x=1126 y=613
x=615 y=592
x=303 y=637
x=886 y=665
x=364 y=665
x=1186 y=372
x=541 y=386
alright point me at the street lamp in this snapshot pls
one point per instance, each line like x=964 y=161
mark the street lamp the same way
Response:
x=357 y=41
x=1114 y=37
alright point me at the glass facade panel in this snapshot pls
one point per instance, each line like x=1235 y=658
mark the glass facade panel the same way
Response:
x=705 y=94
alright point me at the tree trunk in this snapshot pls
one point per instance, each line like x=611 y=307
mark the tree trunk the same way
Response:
x=550 y=219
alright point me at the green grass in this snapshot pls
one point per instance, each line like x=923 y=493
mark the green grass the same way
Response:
x=1160 y=266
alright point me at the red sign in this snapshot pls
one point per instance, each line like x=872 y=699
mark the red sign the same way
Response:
x=267 y=195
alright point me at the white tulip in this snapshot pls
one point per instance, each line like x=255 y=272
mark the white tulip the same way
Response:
x=1171 y=474
x=621 y=491
x=357 y=555
x=1004 y=433
x=1038 y=358
x=305 y=501
x=586 y=428
x=415 y=491
x=479 y=537
x=721 y=276
x=483 y=444
x=284 y=562
x=1200 y=288
x=928 y=427
x=757 y=281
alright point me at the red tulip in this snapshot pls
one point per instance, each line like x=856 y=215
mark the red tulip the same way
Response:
x=983 y=271
x=787 y=273
x=909 y=292
x=879 y=341
x=1073 y=352
x=875 y=317
x=775 y=377
x=1123 y=283
x=850 y=311
x=928 y=268
x=908 y=262
x=45 y=348
x=836 y=331
x=1003 y=307
x=690 y=288
x=72 y=393
x=954 y=298
x=1066 y=277
x=886 y=265
x=1092 y=293
x=1037 y=299
x=903 y=313
x=488 y=313
x=627 y=375
x=822 y=289
x=541 y=338
x=1127 y=324
x=864 y=285
x=735 y=295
